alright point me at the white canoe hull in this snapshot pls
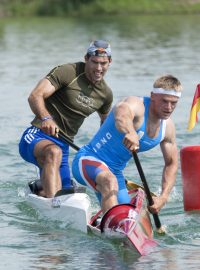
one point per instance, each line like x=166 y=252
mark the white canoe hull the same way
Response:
x=74 y=210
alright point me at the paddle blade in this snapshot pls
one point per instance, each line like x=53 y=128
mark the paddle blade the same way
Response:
x=161 y=230
x=132 y=185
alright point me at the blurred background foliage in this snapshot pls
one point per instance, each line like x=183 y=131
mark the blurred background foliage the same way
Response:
x=15 y=8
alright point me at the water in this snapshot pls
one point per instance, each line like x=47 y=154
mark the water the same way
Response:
x=143 y=49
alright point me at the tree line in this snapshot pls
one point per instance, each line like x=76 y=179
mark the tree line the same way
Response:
x=97 y=7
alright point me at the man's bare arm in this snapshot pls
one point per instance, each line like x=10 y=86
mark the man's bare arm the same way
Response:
x=128 y=117
x=170 y=155
x=36 y=100
x=43 y=90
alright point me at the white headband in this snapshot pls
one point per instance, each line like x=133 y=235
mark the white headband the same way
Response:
x=171 y=92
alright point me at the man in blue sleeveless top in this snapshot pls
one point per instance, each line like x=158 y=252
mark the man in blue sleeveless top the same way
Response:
x=133 y=124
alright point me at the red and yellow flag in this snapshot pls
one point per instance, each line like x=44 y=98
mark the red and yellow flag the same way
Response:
x=194 y=109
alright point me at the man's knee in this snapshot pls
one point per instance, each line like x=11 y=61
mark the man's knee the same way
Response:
x=106 y=183
x=53 y=152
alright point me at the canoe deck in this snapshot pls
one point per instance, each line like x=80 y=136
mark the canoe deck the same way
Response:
x=130 y=223
x=72 y=209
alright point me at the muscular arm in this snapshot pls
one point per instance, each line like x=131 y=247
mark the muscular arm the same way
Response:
x=43 y=90
x=128 y=117
x=170 y=154
x=36 y=100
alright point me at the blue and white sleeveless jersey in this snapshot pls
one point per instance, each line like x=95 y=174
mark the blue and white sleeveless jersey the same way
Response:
x=107 y=144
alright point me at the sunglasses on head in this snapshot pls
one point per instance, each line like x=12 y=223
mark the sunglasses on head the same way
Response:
x=101 y=44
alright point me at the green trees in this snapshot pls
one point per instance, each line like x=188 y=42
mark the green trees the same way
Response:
x=96 y=7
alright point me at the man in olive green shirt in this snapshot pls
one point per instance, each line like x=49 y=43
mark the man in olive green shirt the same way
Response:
x=61 y=101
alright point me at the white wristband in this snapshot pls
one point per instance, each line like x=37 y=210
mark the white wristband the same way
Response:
x=49 y=117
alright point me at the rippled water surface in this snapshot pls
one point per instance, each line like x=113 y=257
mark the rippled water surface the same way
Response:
x=143 y=49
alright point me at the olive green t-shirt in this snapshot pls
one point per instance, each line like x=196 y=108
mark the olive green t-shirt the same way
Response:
x=75 y=97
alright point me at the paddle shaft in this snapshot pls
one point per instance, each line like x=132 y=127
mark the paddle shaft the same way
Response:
x=146 y=188
x=68 y=141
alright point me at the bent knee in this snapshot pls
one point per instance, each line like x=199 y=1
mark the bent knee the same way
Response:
x=52 y=153
x=106 y=182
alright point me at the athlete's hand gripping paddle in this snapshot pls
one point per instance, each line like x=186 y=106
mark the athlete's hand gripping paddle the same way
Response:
x=157 y=222
x=146 y=188
x=129 y=184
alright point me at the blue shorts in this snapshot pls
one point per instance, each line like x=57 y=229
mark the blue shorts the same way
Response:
x=85 y=168
x=30 y=138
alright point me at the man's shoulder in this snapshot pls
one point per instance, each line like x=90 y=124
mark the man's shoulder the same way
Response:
x=169 y=123
x=73 y=67
x=65 y=73
x=134 y=100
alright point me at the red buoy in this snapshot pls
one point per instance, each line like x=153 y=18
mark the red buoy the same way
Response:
x=190 y=170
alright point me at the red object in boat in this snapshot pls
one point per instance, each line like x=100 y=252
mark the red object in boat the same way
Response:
x=190 y=170
x=131 y=221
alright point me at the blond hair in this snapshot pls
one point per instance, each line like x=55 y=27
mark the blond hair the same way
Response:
x=168 y=82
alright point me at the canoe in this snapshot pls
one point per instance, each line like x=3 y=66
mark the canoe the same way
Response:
x=73 y=209
x=130 y=223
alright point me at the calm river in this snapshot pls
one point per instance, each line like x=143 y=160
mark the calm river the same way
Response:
x=143 y=49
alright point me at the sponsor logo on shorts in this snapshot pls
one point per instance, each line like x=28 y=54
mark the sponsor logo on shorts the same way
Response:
x=29 y=137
